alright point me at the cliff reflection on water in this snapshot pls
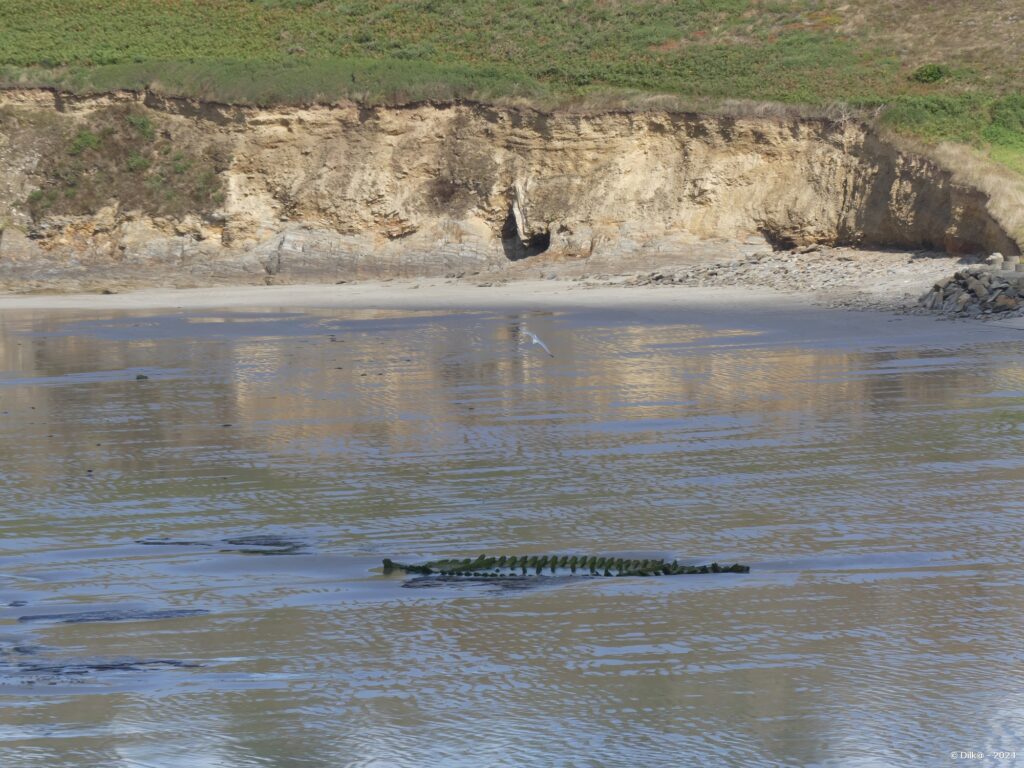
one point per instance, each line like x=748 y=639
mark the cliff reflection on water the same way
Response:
x=875 y=489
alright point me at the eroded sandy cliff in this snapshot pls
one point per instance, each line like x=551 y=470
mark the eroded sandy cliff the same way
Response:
x=106 y=189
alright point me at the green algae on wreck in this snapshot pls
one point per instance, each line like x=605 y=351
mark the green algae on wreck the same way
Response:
x=505 y=566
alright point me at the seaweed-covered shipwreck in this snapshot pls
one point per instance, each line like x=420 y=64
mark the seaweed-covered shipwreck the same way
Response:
x=521 y=567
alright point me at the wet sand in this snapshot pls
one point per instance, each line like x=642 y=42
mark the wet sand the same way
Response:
x=406 y=294
x=798 y=315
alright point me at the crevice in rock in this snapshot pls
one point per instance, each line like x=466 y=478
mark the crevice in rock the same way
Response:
x=516 y=246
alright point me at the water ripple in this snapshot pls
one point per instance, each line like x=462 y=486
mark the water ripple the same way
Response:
x=875 y=489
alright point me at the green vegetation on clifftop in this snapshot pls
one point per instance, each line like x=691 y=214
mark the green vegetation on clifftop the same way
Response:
x=939 y=75
x=119 y=155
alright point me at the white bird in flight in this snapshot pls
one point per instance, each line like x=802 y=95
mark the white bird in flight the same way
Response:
x=535 y=340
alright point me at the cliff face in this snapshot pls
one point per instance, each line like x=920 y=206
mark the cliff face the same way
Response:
x=144 y=189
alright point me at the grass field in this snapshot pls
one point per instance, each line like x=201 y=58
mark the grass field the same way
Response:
x=940 y=72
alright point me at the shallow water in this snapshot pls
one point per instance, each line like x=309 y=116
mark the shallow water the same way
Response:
x=190 y=562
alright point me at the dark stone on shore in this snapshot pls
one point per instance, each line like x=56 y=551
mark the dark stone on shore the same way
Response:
x=975 y=292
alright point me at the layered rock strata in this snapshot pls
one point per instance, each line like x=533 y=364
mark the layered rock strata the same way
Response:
x=343 y=192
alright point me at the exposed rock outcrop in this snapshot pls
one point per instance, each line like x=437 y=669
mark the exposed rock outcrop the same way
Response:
x=326 y=193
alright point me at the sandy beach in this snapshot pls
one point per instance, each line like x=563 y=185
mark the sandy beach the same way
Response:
x=797 y=315
x=829 y=277
x=407 y=294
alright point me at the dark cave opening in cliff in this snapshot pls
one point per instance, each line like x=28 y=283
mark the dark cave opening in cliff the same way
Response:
x=779 y=241
x=515 y=246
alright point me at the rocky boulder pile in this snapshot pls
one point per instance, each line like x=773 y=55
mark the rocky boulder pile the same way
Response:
x=976 y=291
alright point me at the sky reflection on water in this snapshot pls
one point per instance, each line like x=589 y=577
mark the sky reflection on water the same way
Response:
x=875 y=489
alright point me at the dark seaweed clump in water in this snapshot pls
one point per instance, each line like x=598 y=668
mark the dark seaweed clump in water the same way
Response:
x=113 y=615
x=38 y=661
x=265 y=545
x=260 y=544
x=74 y=667
x=158 y=542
